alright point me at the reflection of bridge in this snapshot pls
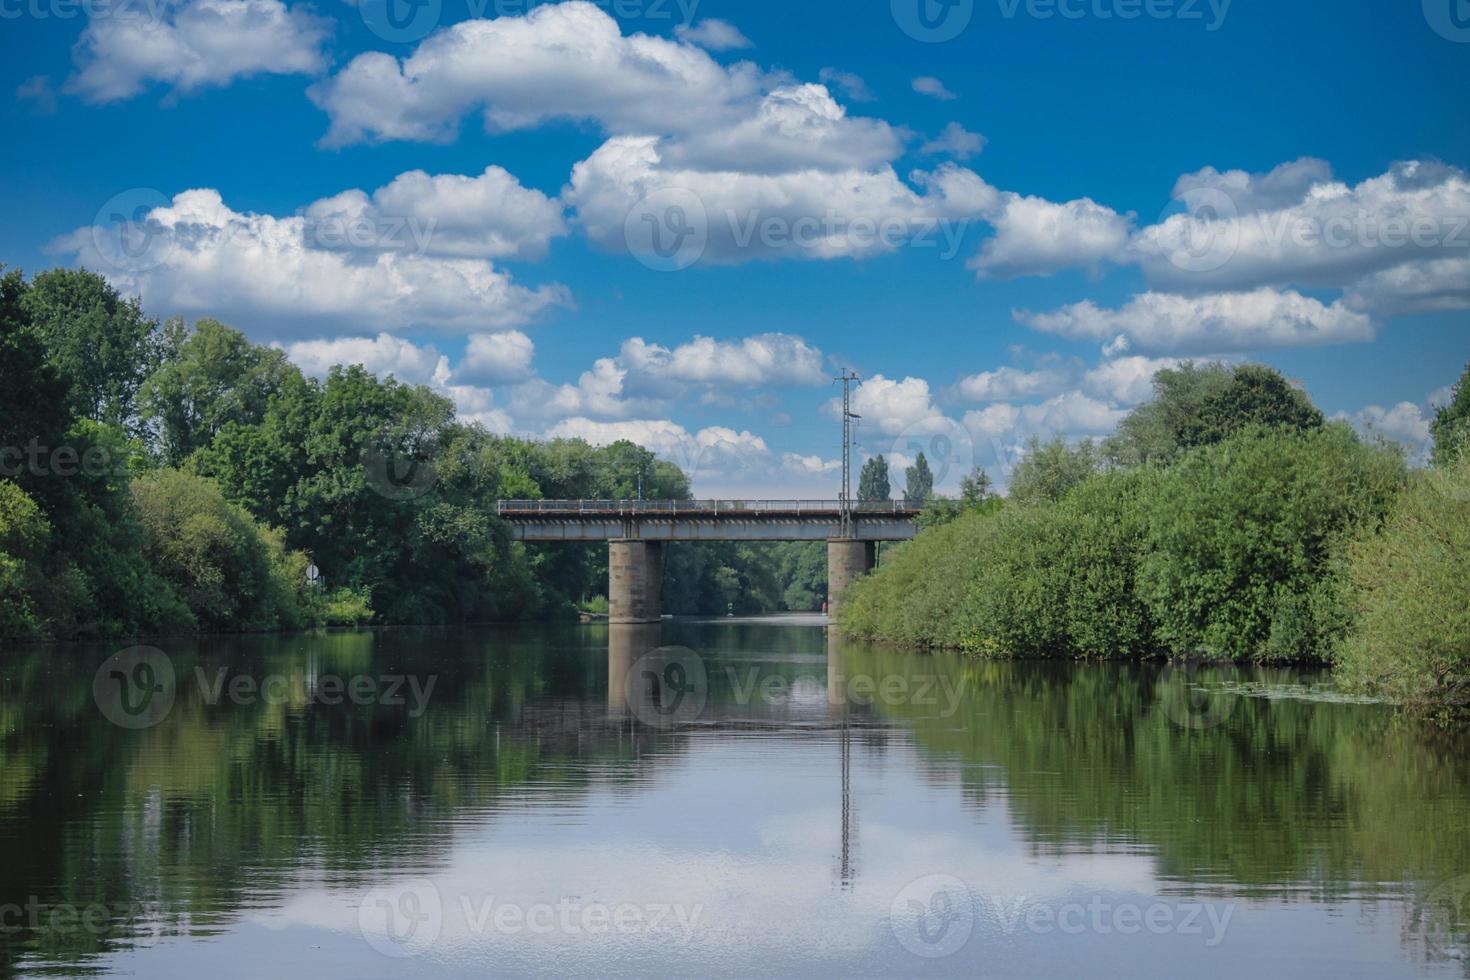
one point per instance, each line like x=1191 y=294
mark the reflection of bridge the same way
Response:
x=636 y=529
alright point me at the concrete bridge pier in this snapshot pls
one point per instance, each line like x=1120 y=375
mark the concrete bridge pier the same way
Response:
x=847 y=561
x=635 y=571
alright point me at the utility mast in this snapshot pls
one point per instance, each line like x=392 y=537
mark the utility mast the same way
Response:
x=847 y=378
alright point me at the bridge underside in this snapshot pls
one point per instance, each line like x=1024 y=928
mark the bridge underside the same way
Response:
x=637 y=529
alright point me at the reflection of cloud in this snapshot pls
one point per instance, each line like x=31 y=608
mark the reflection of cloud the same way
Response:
x=761 y=879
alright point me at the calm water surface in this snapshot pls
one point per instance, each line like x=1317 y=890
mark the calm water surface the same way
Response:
x=727 y=798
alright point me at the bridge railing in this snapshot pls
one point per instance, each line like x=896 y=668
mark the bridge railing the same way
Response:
x=529 y=508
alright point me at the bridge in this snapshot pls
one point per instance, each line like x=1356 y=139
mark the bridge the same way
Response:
x=636 y=530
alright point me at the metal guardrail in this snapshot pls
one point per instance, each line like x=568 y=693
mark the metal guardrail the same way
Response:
x=531 y=508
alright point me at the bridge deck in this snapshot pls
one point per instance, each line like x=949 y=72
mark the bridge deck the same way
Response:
x=706 y=520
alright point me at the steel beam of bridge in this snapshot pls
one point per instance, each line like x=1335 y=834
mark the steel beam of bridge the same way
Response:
x=636 y=530
x=706 y=520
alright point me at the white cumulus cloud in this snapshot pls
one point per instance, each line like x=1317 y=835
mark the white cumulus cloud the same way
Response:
x=196 y=255
x=1168 y=323
x=194 y=44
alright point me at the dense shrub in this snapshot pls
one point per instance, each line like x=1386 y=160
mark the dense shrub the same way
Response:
x=1242 y=534
x=917 y=592
x=1411 y=594
x=1230 y=552
x=23 y=535
x=1058 y=579
x=231 y=572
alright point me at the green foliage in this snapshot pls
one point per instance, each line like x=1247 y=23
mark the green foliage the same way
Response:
x=24 y=532
x=918 y=480
x=977 y=494
x=1241 y=532
x=976 y=488
x=1411 y=594
x=915 y=595
x=1231 y=551
x=1058 y=578
x=709 y=578
x=101 y=344
x=873 y=480
x=341 y=607
x=231 y=572
x=1451 y=424
x=1202 y=405
x=211 y=377
x=391 y=497
x=1048 y=470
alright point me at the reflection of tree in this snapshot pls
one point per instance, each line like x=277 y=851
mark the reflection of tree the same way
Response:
x=1283 y=796
x=221 y=806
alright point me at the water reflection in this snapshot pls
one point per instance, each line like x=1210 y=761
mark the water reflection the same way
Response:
x=744 y=798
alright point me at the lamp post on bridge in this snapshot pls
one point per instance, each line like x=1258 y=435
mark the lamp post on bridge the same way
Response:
x=847 y=557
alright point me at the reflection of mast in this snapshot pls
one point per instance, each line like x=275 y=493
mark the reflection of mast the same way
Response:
x=837 y=705
x=846 y=804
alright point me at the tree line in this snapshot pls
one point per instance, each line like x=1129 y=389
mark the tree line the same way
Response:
x=157 y=477
x=1226 y=519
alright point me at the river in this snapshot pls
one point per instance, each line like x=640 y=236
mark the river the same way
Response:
x=727 y=797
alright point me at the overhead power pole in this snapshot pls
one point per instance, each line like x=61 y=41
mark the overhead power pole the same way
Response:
x=848 y=416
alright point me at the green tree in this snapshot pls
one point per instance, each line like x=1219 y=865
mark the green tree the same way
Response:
x=33 y=397
x=209 y=378
x=1451 y=424
x=873 y=480
x=101 y=344
x=231 y=572
x=976 y=488
x=1201 y=405
x=1412 y=637
x=24 y=533
x=1048 y=470
x=1243 y=534
x=918 y=480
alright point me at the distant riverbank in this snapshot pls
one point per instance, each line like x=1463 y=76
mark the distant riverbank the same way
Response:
x=1269 y=546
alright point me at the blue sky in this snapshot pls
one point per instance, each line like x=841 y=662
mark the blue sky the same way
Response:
x=1004 y=220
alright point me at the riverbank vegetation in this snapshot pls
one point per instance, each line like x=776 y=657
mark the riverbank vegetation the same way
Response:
x=161 y=478
x=1226 y=519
